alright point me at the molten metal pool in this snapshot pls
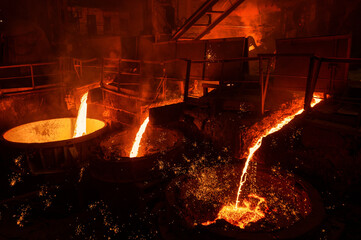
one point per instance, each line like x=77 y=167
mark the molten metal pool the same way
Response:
x=289 y=206
x=50 y=145
x=51 y=130
x=158 y=148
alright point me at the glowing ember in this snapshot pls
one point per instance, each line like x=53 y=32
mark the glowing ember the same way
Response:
x=250 y=211
x=241 y=216
x=24 y=212
x=138 y=138
x=80 y=125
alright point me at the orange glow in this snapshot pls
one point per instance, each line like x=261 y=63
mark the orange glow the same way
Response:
x=80 y=125
x=138 y=138
x=50 y=130
x=165 y=103
x=242 y=215
x=255 y=147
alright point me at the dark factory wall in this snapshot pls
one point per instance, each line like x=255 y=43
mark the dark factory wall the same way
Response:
x=64 y=28
x=78 y=27
x=267 y=20
x=28 y=30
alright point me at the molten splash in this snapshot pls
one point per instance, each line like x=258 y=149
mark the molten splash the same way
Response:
x=136 y=143
x=80 y=125
x=242 y=215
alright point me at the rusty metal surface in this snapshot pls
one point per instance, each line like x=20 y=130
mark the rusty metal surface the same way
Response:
x=298 y=65
x=207 y=6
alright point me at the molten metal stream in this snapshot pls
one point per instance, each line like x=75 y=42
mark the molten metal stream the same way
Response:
x=138 y=138
x=80 y=125
x=242 y=215
x=253 y=149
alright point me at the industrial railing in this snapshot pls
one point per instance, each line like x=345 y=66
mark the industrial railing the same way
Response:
x=132 y=67
x=35 y=76
x=263 y=82
x=80 y=64
x=114 y=68
x=38 y=76
x=315 y=66
x=25 y=77
x=312 y=76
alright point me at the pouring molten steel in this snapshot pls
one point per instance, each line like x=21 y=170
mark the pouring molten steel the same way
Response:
x=80 y=125
x=138 y=138
x=243 y=215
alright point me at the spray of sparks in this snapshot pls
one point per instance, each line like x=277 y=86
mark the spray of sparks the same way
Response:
x=16 y=177
x=244 y=214
x=138 y=138
x=80 y=125
x=24 y=212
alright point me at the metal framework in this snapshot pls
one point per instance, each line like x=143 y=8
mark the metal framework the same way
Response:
x=205 y=9
x=116 y=67
x=194 y=18
x=315 y=66
x=219 y=19
x=35 y=71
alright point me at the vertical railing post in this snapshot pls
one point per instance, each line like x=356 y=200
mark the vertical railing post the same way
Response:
x=118 y=78
x=32 y=76
x=61 y=69
x=164 y=79
x=260 y=63
x=102 y=73
x=205 y=58
x=119 y=66
x=81 y=69
x=164 y=88
x=141 y=64
x=205 y=91
x=221 y=82
x=311 y=85
x=265 y=85
x=310 y=77
x=331 y=87
x=187 y=79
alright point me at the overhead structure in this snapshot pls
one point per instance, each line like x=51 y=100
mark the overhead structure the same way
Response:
x=213 y=21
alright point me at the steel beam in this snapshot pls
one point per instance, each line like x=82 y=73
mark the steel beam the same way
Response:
x=194 y=18
x=219 y=19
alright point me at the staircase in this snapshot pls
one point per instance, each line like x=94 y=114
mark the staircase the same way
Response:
x=215 y=10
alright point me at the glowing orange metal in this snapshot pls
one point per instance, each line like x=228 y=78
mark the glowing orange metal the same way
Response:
x=242 y=215
x=80 y=125
x=138 y=138
x=253 y=149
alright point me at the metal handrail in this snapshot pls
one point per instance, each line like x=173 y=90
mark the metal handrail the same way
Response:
x=32 y=76
x=27 y=65
x=314 y=74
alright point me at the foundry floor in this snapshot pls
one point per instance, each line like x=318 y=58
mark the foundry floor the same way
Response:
x=62 y=207
x=73 y=207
